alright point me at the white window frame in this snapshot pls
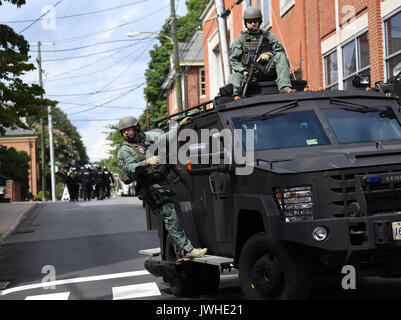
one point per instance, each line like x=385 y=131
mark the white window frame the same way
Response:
x=331 y=85
x=266 y=25
x=358 y=71
x=285 y=7
x=202 y=95
x=386 y=55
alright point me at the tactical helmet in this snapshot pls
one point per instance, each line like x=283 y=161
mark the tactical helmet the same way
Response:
x=127 y=122
x=252 y=13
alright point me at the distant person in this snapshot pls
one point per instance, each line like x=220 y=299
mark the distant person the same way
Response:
x=99 y=182
x=86 y=182
x=109 y=180
x=273 y=56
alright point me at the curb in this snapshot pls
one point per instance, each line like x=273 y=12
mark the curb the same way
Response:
x=7 y=232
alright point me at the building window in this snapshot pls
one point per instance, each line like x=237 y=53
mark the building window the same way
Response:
x=202 y=83
x=266 y=13
x=355 y=55
x=331 y=71
x=392 y=28
x=286 y=5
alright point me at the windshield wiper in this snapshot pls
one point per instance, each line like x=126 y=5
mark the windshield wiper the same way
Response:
x=388 y=112
x=355 y=106
x=273 y=112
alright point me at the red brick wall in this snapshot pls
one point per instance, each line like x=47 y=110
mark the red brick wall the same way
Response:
x=13 y=190
x=327 y=17
x=355 y=9
x=375 y=42
x=315 y=71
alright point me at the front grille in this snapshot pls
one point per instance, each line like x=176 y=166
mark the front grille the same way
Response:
x=347 y=195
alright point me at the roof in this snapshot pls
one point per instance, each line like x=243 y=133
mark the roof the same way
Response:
x=191 y=54
x=18 y=133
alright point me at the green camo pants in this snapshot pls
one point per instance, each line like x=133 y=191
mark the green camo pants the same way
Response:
x=164 y=196
x=277 y=67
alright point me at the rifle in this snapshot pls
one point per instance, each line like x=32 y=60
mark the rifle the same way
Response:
x=253 y=64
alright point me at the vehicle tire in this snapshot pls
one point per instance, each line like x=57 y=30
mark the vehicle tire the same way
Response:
x=188 y=284
x=271 y=271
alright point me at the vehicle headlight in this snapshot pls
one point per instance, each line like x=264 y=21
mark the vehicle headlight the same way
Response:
x=296 y=203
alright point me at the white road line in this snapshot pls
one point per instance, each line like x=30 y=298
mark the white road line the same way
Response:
x=75 y=280
x=136 y=291
x=51 y=296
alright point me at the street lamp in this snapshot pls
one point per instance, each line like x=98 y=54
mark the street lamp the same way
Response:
x=176 y=62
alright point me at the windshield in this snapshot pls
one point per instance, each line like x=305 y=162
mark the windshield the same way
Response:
x=294 y=129
x=351 y=126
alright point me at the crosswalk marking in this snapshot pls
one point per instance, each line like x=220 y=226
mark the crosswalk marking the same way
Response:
x=75 y=280
x=136 y=291
x=50 y=296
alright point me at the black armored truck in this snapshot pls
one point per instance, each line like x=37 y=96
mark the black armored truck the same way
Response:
x=287 y=188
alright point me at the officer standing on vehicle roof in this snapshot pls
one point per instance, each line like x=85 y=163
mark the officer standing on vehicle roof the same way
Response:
x=158 y=193
x=273 y=57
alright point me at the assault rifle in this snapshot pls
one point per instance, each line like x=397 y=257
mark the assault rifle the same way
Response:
x=253 y=65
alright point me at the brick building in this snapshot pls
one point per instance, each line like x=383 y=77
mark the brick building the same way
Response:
x=25 y=140
x=192 y=75
x=327 y=42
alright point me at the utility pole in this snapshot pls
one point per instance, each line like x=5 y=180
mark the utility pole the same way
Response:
x=42 y=131
x=222 y=29
x=147 y=115
x=50 y=120
x=177 y=67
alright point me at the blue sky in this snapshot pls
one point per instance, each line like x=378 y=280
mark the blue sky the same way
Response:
x=89 y=63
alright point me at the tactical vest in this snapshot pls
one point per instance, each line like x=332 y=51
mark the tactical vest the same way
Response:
x=152 y=173
x=250 y=45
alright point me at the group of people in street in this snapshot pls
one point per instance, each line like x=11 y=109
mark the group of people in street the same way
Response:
x=91 y=182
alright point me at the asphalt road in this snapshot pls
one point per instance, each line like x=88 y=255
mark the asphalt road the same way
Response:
x=89 y=251
x=86 y=250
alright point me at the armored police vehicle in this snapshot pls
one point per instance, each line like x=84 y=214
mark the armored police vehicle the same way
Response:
x=320 y=189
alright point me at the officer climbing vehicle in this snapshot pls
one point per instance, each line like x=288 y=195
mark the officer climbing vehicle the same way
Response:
x=321 y=189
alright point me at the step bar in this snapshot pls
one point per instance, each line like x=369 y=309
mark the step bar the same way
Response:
x=206 y=259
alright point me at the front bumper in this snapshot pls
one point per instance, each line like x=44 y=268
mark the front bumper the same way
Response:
x=369 y=239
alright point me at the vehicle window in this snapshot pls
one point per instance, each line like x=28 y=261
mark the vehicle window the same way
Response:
x=285 y=130
x=352 y=126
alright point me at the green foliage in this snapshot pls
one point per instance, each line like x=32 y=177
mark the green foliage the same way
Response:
x=157 y=71
x=17 y=99
x=116 y=141
x=159 y=65
x=15 y=166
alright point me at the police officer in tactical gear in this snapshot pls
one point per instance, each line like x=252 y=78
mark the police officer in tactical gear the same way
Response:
x=86 y=182
x=72 y=181
x=99 y=182
x=273 y=56
x=109 y=180
x=157 y=191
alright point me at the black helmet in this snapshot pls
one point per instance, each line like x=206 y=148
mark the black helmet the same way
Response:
x=252 y=13
x=127 y=122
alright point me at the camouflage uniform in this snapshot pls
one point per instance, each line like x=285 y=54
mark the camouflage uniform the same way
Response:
x=277 y=66
x=131 y=159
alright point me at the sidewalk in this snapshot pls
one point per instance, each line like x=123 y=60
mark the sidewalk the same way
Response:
x=11 y=214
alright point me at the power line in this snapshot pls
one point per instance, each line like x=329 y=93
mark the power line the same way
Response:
x=110 y=29
x=79 y=14
x=40 y=17
x=116 y=98
x=88 y=55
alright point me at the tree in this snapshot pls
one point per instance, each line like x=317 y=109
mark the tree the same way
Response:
x=15 y=166
x=159 y=65
x=17 y=98
x=157 y=71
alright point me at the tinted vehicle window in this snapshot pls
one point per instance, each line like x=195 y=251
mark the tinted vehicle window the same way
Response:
x=295 y=129
x=352 y=126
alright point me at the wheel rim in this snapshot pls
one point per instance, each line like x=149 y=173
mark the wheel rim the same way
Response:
x=268 y=276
